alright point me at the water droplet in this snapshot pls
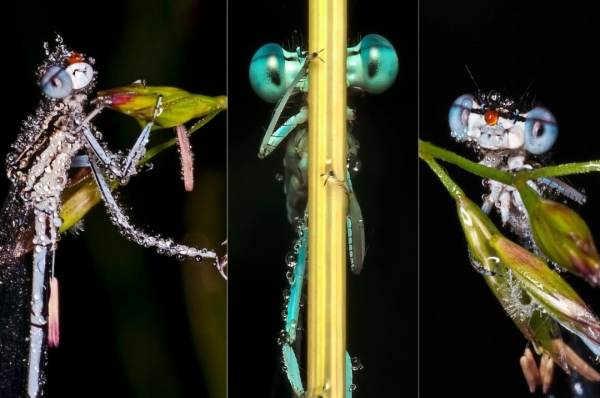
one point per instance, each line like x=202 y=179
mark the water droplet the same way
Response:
x=284 y=336
x=356 y=364
x=290 y=259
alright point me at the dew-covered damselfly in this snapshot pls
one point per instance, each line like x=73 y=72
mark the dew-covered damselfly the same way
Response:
x=276 y=75
x=460 y=320
x=57 y=138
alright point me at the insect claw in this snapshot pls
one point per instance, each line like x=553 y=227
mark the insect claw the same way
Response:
x=341 y=183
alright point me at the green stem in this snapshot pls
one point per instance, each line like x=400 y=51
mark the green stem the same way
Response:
x=475 y=168
x=450 y=185
x=428 y=149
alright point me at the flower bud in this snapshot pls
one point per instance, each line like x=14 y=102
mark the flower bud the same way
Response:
x=551 y=294
x=178 y=106
x=562 y=235
x=532 y=294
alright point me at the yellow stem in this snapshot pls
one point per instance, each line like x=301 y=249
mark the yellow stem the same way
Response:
x=327 y=200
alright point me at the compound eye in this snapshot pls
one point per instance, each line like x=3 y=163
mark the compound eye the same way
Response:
x=56 y=83
x=541 y=130
x=458 y=117
x=380 y=63
x=267 y=72
x=81 y=74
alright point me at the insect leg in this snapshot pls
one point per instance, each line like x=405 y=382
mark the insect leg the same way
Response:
x=38 y=319
x=164 y=246
x=273 y=138
x=354 y=223
x=490 y=200
x=293 y=312
x=122 y=171
x=505 y=199
x=565 y=189
x=355 y=231
x=139 y=148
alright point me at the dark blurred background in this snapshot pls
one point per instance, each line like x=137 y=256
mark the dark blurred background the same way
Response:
x=135 y=323
x=382 y=300
x=468 y=345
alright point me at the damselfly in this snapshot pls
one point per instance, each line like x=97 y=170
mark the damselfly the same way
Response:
x=514 y=136
x=277 y=75
x=57 y=137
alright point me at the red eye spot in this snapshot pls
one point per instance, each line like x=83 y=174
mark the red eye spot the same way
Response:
x=75 y=58
x=491 y=117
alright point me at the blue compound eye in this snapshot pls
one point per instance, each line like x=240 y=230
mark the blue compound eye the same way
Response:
x=376 y=67
x=267 y=70
x=541 y=130
x=56 y=83
x=458 y=117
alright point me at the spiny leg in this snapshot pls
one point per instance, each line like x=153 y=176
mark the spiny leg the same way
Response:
x=288 y=336
x=139 y=148
x=111 y=161
x=354 y=222
x=46 y=233
x=164 y=246
x=564 y=189
x=271 y=138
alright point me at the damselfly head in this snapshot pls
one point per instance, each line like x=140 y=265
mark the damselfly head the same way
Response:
x=372 y=67
x=493 y=121
x=65 y=72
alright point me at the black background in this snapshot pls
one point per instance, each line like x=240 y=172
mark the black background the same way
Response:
x=382 y=299
x=468 y=345
x=125 y=326
x=135 y=323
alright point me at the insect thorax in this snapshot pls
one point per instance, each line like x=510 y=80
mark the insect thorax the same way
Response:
x=48 y=137
x=41 y=157
x=507 y=137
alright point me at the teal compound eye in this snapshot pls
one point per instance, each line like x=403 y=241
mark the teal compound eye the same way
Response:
x=272 y=70
x=541 y=130
x=372 y=64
